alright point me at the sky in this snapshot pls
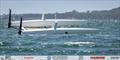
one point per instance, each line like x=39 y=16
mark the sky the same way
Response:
x=53 y=6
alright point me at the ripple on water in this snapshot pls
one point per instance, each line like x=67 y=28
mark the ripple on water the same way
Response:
x=105 y=42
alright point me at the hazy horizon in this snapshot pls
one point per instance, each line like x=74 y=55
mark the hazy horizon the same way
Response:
x=52 y=6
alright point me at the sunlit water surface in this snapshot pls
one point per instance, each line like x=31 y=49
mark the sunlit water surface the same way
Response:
x=105 y=42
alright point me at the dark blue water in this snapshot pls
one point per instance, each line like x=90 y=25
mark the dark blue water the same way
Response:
x=105 y=42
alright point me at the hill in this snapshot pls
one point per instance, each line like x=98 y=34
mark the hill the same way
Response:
x=104 y=14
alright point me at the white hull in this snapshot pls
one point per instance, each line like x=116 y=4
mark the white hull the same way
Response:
x=48 y=22
x=61 y=30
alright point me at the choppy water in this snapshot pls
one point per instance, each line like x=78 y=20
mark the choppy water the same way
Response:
x=105 y=42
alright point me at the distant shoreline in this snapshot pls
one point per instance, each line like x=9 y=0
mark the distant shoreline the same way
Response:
x=103 y=14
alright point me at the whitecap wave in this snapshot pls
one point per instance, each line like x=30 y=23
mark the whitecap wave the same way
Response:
x=78 y=43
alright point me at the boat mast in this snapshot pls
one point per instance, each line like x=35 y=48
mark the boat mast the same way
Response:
x=55 y=26
x=20 y=27
x=43 y=16
x=55 y=15
x=9 y=21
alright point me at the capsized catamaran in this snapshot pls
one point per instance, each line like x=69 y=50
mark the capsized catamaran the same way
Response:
x=60 y=26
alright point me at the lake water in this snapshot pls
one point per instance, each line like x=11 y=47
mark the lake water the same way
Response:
x=105 y=42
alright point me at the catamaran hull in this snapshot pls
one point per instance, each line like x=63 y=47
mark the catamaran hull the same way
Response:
x=47 y=23
x=63 y=31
